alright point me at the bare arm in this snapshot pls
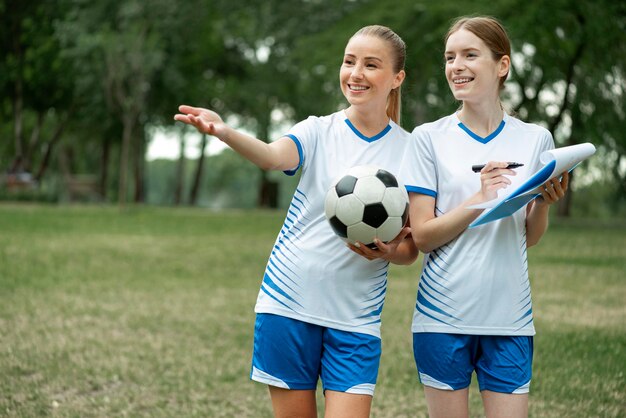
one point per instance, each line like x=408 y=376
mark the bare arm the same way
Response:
x=430 y=231
x=537 y=211
x=278 y=155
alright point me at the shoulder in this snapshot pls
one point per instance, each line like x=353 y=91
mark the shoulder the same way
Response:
x=439 y=125
x=433 y=129
x=399 y=131
x=530 y=131
x=526 y=126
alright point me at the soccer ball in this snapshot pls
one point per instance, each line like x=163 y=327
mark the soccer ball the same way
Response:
x=367 y=203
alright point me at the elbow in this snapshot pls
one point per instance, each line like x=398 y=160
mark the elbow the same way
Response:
x=422 y=245
x=532 y=241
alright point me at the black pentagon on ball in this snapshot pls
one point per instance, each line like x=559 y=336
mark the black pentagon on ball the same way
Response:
x=338 y=226
x=387 y=178
x=374 y=215
x=345 y=185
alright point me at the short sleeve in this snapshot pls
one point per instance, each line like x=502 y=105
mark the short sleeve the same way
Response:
x=304 y=134
x=418 y=170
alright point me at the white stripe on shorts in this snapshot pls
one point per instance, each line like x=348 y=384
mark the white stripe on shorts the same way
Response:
x=362 y=389
x=262 y=377
x=433 y=383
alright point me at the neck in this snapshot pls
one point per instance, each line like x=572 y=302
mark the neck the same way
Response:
x=367 y=122
x=483 y=118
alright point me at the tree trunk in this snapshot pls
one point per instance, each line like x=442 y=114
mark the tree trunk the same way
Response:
x=18 y=104
x=197 y=178
x=104 y=168
x=45 y=160
x=180 y=172
x=127 y=133
x=33 y=142
x=268 y=190
x=138 y=157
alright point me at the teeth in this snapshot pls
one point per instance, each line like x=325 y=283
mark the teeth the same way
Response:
x=358 y=87
x=462 y=80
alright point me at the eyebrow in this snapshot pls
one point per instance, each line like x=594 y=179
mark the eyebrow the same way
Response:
x=463 y=50
x=367 y=58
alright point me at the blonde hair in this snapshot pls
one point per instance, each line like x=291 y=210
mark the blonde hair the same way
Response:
x=490 y=31
x=398 y=50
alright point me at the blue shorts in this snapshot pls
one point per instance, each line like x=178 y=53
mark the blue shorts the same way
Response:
x=446 y=361
x=292 y=354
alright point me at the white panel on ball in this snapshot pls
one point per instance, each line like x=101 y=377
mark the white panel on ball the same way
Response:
x=395 y=201
x=362 y=171
x=369 y=190
x=389 y=229
x=330 y=203
x=349 y=209
x=361 y=232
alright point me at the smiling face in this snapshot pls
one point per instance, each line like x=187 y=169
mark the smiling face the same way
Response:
x=367 y=74
x=471 y=70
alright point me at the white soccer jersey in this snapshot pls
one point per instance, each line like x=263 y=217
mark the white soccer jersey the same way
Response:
x=477 y=283
x=311 y=275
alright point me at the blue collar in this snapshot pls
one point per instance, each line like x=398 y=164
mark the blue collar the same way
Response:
x=365 y=138
x=480 y=138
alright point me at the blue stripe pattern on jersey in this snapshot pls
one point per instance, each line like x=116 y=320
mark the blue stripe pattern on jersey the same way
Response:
x=281 y=277
x=525 y=300
x=430 y=300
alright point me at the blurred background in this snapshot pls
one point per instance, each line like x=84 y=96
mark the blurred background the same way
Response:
x=131 y=247
x=89 y=90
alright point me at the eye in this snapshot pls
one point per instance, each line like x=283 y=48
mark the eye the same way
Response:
x=348 y=61
x=370 y=65
x=471 y=55
x=449 y=58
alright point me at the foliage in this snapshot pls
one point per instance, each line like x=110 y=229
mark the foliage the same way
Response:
x=99 y=73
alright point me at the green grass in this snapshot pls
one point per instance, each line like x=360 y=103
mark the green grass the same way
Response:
x=148 y=312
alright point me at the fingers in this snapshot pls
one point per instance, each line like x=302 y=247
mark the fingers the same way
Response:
x=554 y=189
x=369 y=253
x=403 y=234
x=195 y=121
x=189 y=110
x=565 y=181
x=497 y=168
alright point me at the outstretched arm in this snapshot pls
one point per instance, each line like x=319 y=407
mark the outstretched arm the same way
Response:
x=278 y=155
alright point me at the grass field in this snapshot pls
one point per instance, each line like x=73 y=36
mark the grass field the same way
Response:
x=148 y=312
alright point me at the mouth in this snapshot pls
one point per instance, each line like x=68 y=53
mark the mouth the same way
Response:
x=357 y=87
x=462 y=80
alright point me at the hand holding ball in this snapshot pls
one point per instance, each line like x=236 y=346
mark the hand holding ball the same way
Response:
x=365 y=204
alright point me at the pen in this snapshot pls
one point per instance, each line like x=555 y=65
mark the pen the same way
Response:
x=477 y=168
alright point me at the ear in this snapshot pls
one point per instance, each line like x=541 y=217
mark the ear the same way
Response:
x=504 y=66
x=398 y=79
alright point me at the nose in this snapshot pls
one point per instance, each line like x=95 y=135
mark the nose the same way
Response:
x=456 y=64
x=357 y=71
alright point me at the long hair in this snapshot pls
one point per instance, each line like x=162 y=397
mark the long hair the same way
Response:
x=398 y=53
x=490 y=31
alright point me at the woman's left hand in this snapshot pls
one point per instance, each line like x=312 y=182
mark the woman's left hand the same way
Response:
x=383 y=250
x=554 y=189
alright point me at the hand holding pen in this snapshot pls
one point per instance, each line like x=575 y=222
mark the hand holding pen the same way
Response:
x=478 y=168
x=493 y=177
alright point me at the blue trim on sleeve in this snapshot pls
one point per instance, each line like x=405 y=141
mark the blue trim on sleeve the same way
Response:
x=365 y=138
x=300 y=156
x=421 y=190
x=480 y=138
